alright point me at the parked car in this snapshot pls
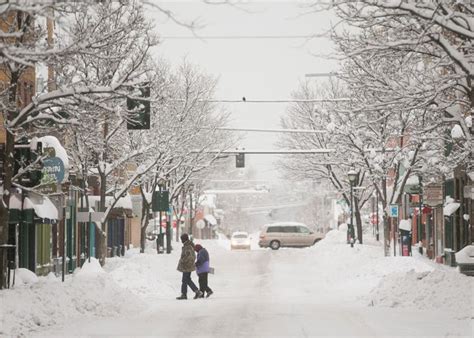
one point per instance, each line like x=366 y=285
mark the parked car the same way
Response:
x=240 y=240
x=287 y=234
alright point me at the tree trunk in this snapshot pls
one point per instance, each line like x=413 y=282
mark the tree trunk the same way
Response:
x=8 y=166
x=144 y=225
x=142 y=239
x=145 y=219
x=102 y=238
x=4 y=209
x=358 y=220
x=386 y=231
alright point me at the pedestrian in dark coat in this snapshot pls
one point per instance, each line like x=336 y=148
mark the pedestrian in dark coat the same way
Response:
x=202 y=269
x=186 y=266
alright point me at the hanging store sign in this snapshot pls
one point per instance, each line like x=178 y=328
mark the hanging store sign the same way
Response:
x=53 y=167
x=433 y=194
x=469 y=191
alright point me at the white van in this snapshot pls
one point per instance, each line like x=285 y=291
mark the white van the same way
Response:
x=289 y=234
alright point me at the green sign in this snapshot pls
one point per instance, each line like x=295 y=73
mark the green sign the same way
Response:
x=160 y=201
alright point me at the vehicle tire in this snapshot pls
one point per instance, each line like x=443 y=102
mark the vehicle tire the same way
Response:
x=316 y=241
x=275 y=245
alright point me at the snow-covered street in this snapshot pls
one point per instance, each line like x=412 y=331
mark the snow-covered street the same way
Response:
x=308 y=164
x=326 y=290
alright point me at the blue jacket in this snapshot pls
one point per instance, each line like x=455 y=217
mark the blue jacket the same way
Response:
x=202 y=261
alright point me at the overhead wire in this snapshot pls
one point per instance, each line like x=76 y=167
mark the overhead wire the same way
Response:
x=235 y=37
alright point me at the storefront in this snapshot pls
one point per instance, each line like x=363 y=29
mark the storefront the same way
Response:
x=31 y=222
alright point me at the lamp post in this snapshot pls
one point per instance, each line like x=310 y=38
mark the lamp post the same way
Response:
x=420 y=213
x=169 y=217
x=352 y=174
x=191 y=188
x=159 y=240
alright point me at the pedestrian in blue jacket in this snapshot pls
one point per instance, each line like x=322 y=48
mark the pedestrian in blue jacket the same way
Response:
x=202 y=269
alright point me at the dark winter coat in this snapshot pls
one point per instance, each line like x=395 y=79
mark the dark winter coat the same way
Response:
x=186 y=262
x=202 y=262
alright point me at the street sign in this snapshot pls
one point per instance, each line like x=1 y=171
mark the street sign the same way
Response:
x=200 y=224
x=393 y=210
x=160 y=201
x=95 y=216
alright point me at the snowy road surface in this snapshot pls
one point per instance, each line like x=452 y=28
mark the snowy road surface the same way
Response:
x=326 y=290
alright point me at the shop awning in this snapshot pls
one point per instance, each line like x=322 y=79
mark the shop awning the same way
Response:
x=405 y=224
x=451 y=208
x=210 y=219
x=42 y=206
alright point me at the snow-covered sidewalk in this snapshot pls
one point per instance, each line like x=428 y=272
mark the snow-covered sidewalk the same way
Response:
x=134 y=295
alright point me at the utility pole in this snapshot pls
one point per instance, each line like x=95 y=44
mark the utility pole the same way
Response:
x=377 y=213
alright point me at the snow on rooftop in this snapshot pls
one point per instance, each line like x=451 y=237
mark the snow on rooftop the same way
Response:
x=208 y=200
x=237 y=191
x=124 y=202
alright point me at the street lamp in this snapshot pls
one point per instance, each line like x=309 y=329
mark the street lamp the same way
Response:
x=159 y=240
x=191 y=188
x=352 y=179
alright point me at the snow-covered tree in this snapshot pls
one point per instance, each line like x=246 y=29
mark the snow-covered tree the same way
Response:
x=24 y=44
x=439 y=32
x=185 y=138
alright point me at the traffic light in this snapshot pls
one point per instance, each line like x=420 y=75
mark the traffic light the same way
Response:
x=240 y=160
x=160 y=201
x=24 y=157
x=139 y=109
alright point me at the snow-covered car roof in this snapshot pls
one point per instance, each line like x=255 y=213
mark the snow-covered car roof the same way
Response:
x=286 y=223
x=240 y=233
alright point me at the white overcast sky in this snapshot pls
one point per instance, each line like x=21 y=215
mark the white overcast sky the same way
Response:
x=254 y=68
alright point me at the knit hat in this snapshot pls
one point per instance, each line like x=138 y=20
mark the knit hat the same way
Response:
x=184 y=238
x=197 y=247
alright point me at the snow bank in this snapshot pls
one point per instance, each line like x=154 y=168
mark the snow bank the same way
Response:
x=39 y=302
x=25 y=276
x=426 y=290
x=364 y=275
x=146 y=275
x=336 y=236
x=90 y=269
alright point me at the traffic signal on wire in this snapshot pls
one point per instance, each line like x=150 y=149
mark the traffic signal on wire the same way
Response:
x=240 y=160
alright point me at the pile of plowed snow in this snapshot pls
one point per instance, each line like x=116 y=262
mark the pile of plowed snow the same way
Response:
x=435 y=289
x=394 y=281
x=35 y=303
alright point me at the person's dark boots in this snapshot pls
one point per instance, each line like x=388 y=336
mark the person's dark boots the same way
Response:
x=183 y=296
x=209 y=293
x=199 y=294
